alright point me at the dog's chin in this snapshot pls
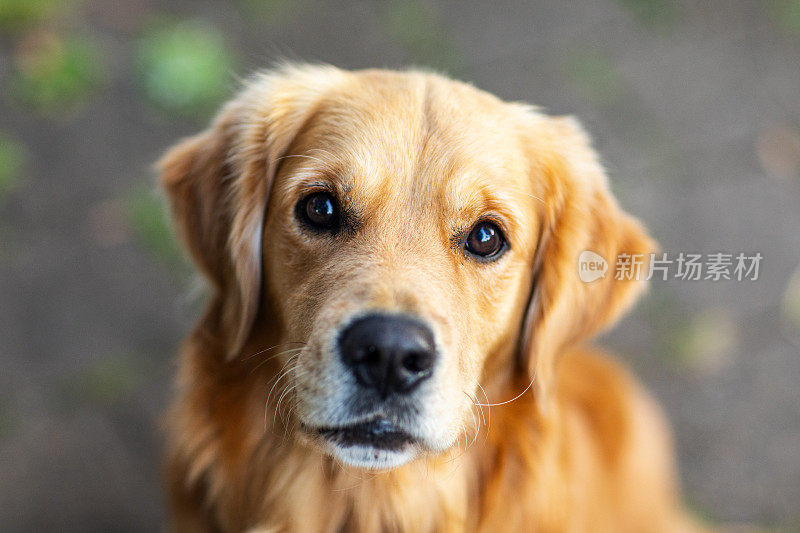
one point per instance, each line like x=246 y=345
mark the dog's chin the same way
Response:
x=372 y=458
x=374 y=444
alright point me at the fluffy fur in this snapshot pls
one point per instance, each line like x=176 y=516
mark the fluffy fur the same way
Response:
x=416 y=159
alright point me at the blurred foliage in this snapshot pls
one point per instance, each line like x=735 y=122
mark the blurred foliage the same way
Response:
x=185 y=67
x=704 y=515
x=19 y=15
x=790 y=307
x=705 y=340
x=417 y=25
x=269 y=12
x=56 y=74
x=665 y=159
x=13 y=155
x=786 y=15
x=104 y=380
x=654 y=14
x=692 y=342
x=595 y=74
x=147 y=216
x=664 y=314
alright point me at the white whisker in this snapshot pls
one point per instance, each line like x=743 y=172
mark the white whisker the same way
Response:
x=271 y=348
x=517 y=397
x=270 y=358
x=283 y=373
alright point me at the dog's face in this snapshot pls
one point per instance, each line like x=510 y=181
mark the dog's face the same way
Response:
x=396 y=247
x=406 y=231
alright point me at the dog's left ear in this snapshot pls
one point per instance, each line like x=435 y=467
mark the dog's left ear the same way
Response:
x=567 y=305
x=218 y=183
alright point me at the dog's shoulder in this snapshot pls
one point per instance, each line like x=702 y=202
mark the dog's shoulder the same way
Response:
x=605 y=414
x=599 y=393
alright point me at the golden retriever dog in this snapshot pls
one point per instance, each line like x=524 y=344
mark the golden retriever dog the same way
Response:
x=394 y=339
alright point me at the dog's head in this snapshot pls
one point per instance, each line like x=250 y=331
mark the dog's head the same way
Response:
x=415 y=236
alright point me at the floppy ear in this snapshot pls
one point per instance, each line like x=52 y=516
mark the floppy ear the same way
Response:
x=581 y=214
x=218 y=183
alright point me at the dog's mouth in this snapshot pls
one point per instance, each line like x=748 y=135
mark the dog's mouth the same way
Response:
x=376 y=443
x=378 y=433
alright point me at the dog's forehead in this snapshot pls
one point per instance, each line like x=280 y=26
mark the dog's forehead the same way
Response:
x=419 y=132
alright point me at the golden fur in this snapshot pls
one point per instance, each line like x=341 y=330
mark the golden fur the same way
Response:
x=415 y=155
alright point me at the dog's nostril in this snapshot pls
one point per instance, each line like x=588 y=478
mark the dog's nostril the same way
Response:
x=417 y=361
x=390 y=353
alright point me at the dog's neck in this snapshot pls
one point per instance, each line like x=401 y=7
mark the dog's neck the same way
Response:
x=322 y=495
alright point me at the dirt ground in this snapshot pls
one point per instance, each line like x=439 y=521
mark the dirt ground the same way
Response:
x=695 y=107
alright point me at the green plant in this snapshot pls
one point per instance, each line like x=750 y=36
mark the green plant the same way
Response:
x=12 y=160
x=652 y=13
x=418 y=28
x=185 y=67
x=148 y=219
x=103 y=380
x=786 y=15
x=17 y=15
x=55 y=74
x=595 y=74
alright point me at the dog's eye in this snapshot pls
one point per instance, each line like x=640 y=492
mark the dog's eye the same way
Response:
x=319 y=210
x=485 y=241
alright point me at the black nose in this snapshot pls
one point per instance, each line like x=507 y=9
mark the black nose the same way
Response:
x=389 y=353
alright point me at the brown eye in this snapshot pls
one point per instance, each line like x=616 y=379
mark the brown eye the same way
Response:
x=486 y=241
x=319 y=211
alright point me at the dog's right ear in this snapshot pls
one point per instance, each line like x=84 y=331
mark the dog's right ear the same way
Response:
x=218 y=183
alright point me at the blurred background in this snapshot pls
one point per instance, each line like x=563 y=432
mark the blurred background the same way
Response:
x=695 y=107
